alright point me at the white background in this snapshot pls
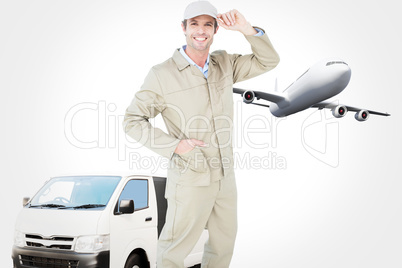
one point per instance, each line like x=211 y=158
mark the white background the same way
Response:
x=337 y=200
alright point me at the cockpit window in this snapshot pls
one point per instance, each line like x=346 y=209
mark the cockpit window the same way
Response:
x=336 y=62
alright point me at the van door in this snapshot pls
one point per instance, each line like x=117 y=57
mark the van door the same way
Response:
x=136 y=230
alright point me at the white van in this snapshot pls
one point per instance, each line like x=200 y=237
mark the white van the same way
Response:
x=94 y=221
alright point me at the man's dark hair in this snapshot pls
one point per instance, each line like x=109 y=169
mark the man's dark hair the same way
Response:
x=215 y=24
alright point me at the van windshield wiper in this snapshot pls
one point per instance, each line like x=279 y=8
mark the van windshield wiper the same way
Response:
x=87 y=206
x=90 y=206
x=47 y=206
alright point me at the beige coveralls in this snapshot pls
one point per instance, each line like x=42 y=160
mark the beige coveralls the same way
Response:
x=201 y=188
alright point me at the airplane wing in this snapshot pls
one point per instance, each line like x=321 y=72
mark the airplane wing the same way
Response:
x=331 y=105
x=338 y=110
x=272 y=97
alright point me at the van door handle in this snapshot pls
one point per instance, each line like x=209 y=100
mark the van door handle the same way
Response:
x=148 y=219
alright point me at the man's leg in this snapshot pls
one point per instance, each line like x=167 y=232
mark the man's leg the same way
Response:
x=189 y=208
x=222 y=227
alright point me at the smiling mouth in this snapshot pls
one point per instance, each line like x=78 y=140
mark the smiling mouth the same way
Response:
x=200 y=39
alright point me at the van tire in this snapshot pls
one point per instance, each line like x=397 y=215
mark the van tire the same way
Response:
x=134 y=261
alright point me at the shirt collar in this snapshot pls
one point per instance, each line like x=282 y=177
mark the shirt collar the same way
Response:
x=204 y=70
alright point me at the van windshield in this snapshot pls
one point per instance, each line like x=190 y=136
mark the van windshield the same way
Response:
x=75 y=192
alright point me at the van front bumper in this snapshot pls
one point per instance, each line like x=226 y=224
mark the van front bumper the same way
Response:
x=32 y=257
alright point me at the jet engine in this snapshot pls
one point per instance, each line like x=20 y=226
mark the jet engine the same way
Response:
x=248 y=96
x=362 y=115
x=339 y=111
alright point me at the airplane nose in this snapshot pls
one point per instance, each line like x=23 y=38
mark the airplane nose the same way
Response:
x=339 y=70
x=345 y=73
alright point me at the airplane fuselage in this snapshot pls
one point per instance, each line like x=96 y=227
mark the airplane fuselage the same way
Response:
x=322 y=81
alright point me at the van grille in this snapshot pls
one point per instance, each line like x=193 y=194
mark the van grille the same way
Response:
x=53 y=242
x=32 y=261
x=56 y=238
x=39 y=245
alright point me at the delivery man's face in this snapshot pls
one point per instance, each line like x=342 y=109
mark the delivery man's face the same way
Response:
x=200 y=32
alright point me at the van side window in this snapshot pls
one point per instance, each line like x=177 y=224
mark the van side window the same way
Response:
x=136 y=190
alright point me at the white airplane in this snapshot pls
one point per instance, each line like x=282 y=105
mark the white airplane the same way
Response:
x=322 y=81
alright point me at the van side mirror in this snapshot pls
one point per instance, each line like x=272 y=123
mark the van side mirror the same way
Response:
x=25 y=201
x=126 y=207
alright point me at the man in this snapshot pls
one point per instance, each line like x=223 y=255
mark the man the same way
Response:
x=193 y=92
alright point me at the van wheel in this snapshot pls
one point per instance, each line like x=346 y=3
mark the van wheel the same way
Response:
x=134 y=261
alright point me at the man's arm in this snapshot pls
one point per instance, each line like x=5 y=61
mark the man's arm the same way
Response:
x=148 y=103
x=264 y=56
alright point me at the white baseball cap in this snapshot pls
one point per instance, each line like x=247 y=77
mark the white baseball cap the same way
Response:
x=198 y=8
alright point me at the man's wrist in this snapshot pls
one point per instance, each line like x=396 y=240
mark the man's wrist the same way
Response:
x=249 y=30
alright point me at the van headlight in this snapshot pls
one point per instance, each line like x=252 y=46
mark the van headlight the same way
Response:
x=93 y=243
x=19 y=239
